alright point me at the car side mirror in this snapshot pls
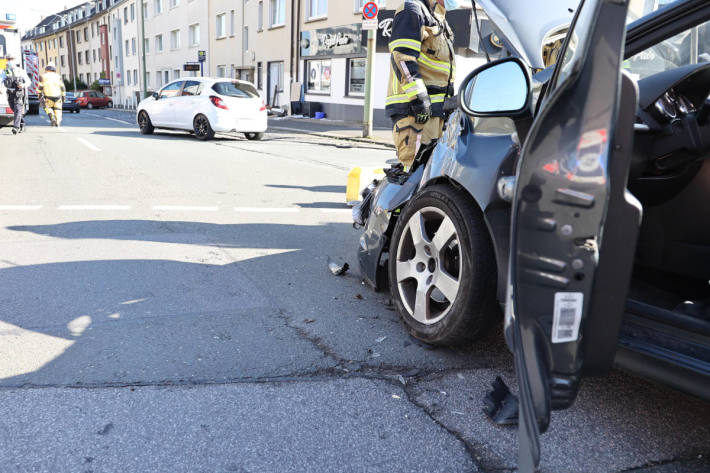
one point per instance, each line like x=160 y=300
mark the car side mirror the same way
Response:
x=496 y=89
x=155 y=95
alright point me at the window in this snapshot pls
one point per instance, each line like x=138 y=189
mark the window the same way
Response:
x=158 y=43
x=78 y=38
x=81 y=77
x=158 y=79
x=175 y=39
x=361 y=3
x=231 y=23
x=356 y=76
x=80 y=59
x=260 y=17
x=258 y=75
x=125 y=15
x=133 y=46
x=93 y=53
x=192 y=87
x=93 y=30
x=221 y=25
x=127 y=51
x=158 y=7
x=235 y=89
x=61 y=59
x=174 y=3
x=147 y=78
x=128 y=77
x=277 y=12
x=171 y=90
x=221 y=71
x=86 y=33
x=246 y=38
x=145 y=9
x=317 y=8
x=318 y=80
x=133 y=12
x=135 y=76
x=176 y=73
x=194 y=33
x=166 y=76
x=61 y=41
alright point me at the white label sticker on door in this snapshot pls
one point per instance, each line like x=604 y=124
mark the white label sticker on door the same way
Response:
x=567 y=316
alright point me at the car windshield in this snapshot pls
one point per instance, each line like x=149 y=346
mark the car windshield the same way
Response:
x=691 y=46
x=577 y=38
x=235 y=89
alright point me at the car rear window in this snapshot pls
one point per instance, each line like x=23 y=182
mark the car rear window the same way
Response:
x=235 y=89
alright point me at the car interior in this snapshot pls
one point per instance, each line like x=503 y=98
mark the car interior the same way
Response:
x=670 y=175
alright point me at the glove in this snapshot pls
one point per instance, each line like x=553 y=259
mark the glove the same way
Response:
x=421 y=108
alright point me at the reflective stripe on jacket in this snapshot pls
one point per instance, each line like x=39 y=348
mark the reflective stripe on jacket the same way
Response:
x=421 y=59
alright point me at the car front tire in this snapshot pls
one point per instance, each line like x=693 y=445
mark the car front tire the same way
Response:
x=442 y=270
x=89 y=106
x=109 y=104
x=202 y=128
x=144 y=123
x=254 y=136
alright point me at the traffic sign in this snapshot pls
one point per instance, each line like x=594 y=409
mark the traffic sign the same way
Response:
x=201 y=55
x=369 y=24
x=369 y=11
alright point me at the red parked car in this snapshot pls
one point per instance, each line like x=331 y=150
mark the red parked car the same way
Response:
x=93 y=99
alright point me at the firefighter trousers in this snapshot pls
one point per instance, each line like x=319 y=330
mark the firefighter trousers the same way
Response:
x=409 y=136
x=53 y=108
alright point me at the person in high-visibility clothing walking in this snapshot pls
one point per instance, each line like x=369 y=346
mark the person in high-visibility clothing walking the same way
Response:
x=51 y=86
x=421 y=74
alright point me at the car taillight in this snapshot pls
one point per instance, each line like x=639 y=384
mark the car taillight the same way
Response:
x=263 y=106
x=8 y=110
x=218 y=102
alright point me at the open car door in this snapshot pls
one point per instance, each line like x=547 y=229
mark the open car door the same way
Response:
x=574 y=223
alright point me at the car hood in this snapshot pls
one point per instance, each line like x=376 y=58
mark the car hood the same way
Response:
x=525 y=25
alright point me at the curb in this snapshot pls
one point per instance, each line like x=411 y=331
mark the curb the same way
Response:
x=337 y=137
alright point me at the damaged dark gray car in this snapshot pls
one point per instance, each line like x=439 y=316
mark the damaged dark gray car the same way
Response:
x=586 y=225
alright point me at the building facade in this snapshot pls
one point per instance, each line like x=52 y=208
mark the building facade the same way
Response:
x=302 y=55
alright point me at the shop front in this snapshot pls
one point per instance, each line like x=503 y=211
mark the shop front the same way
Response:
x=333 y=65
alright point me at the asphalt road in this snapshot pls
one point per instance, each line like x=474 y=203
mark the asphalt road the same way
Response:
x=165 y=305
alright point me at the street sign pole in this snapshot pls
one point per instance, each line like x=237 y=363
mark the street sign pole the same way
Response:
x=369 y=81
x=369 y=12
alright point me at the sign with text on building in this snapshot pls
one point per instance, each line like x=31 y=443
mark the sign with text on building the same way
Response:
x=332 y=41
x=201 y=56
x=104 y=81
x=191 y=66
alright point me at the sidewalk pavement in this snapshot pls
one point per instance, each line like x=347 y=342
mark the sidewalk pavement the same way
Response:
x=332 y=129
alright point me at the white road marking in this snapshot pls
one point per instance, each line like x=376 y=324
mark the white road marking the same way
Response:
x=336 y=211
x=267 y=209
x=94 y=207
x=197 y=208
x=88 y=145
x=20 y=207
x=118 y=120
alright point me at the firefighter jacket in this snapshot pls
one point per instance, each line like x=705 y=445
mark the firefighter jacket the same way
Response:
x=421 y=59
x=52 y=85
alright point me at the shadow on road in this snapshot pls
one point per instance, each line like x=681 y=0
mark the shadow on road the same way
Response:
x=213 y=302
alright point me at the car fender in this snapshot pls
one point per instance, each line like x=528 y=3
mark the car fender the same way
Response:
x=470 y=161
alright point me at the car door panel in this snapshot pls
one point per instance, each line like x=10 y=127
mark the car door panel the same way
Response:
x=565 y=181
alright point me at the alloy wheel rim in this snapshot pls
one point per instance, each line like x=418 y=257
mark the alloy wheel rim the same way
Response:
x=428 y=265
x=201 y=126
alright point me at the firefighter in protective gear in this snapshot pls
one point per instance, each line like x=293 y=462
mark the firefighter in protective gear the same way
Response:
x=421 y=75
x=52 y=87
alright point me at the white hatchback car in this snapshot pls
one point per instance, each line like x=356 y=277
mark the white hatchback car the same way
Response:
x=205 y=105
